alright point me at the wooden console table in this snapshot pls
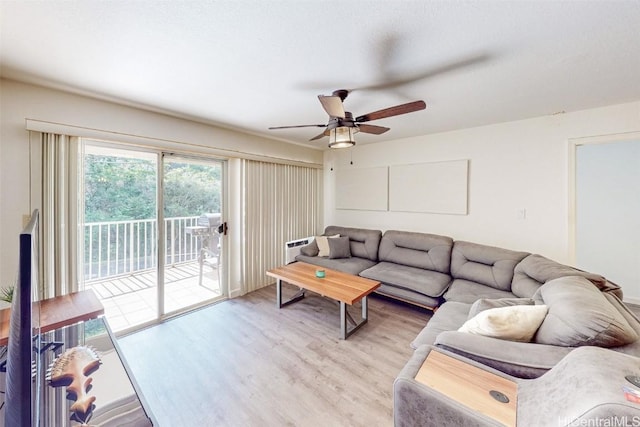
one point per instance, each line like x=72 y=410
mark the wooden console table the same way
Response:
x=71 y=321
x=58 y=312
x=470 y=386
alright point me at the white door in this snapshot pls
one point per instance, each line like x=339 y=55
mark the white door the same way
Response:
x=608 y=212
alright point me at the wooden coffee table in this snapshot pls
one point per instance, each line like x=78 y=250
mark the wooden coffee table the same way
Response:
x=342 y=287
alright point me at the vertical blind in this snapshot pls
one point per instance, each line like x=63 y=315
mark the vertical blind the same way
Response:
x=61 y=214
x=280 y=203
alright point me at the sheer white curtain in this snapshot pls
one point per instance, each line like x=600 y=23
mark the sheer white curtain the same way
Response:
x=280 y=203
x=61 y=214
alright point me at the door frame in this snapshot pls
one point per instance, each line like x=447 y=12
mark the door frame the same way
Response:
x=160 y=153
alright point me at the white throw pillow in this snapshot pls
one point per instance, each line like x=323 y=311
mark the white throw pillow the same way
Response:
x=323 y=244
x=515 y=323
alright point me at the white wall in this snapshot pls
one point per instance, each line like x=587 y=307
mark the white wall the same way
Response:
x=512 y=166
x=21 y=101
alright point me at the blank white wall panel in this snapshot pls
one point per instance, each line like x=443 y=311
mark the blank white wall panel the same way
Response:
x=439 y=187
x=362 y=189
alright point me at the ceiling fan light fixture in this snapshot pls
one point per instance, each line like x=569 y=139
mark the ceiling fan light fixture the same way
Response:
x=342 y=137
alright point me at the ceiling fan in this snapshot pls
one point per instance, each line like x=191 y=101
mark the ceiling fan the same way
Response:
x=342 y=125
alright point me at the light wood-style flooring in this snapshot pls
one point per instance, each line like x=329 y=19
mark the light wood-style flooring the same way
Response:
x=243 y=362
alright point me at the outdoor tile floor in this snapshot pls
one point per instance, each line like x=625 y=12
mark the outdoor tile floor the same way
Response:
x=132 y=300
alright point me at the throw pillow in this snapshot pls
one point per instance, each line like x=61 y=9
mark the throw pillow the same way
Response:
x=485 y=304
x=514 y=323
x=339 y=247
x=579 y=314
x=323 y=244
x=311 y=249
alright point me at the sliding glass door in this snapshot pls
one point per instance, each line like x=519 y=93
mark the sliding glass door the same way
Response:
x=193 y=230
x=146 y=262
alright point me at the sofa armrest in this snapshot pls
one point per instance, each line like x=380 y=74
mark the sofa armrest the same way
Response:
x=520 y=359
x=584 y=389
x=292 y=248
x=415 y=404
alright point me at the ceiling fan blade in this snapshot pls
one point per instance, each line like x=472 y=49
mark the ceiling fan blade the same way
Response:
x=396 y=81
x=332 y=105
x=376 y=130
x=391 y=80
x=322 y=135
x=297 y=126
x=409 y=107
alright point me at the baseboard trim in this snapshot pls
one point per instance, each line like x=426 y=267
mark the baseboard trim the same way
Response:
x=235 y=293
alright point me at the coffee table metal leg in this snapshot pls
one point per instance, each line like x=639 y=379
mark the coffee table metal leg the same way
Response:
x=344 y=333
x=350 y=319
x=297 y=297
x=279 y=293
x=343 y=321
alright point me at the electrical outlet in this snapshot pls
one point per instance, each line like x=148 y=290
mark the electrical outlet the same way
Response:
x=521 y=213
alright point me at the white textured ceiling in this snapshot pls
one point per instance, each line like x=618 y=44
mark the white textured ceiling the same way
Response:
x=254 y=64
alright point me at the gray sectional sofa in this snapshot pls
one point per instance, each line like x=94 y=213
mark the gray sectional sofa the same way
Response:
x=428 y=269
x=450 y=276
x=462 y=282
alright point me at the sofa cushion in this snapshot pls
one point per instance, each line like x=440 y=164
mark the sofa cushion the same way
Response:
x=364 y=243
x=487 y=303
x=579 y=314
x=426 y=282
x=627 y=313
x=351 y=265
x=632 y=318
x=449 y=317
x=536 y=270
x=524 y=360
x=487 y=265
x=520 y=359
x=311 y=249
x=514 y=323
x=419 y=250
x=469 y=292
x=339 y=247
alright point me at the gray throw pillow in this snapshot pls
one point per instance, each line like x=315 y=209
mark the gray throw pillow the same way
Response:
x=339 y=247
x=579 y=314
x=323 y=244
x=311 y=249
x=485 y=304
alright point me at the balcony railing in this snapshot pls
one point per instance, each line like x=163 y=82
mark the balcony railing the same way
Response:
x=125 y=247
